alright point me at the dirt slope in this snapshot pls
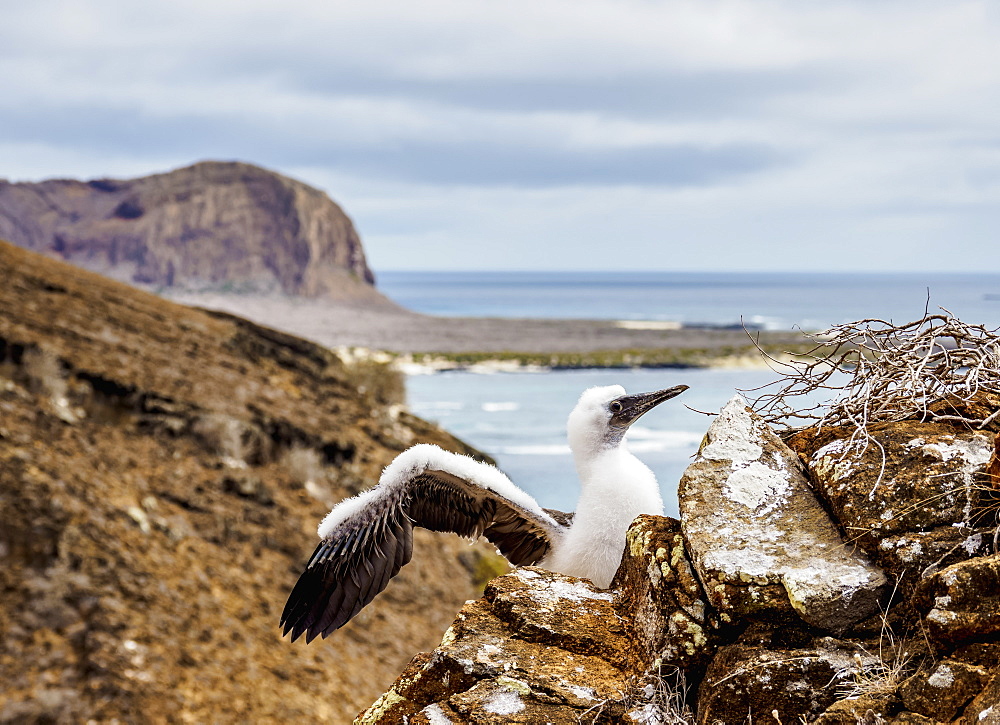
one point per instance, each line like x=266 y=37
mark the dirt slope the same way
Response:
x=162 y=471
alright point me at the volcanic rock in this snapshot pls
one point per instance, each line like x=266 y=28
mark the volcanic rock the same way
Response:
x=215 y=225
x=910 y=494
x=745 y=683
x=961 y=603
x=659 y=597
x=942 y=689
x=760 y=540
x=539 y=647
x=985 y=708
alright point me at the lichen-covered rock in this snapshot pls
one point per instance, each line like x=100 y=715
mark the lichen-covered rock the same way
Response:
x=985 y=707
x=961 y=603
x=759 y=538
x=910 y=496
x=862 y=710
x=659 y=596
x=743 y=504
x=941 y=689
x=562 y=611
x=746 y=683
x=539 y=647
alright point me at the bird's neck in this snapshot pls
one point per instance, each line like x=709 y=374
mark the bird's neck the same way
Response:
x=615 y=487
x=590 y=462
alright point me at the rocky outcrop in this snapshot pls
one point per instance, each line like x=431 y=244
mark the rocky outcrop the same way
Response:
x=215 y=225
x=747 y=680
x=717 y=628
x=539 y=647
x=658 y=594
x=760 y=539
x=162 y=471
x=912 y=495
x=961 y=604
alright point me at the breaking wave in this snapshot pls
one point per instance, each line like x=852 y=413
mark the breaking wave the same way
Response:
x=500 y=407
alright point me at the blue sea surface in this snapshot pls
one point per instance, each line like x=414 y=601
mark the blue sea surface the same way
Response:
x=766 y=300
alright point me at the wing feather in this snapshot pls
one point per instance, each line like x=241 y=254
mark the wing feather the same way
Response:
x=367 y=539
x=566 y=519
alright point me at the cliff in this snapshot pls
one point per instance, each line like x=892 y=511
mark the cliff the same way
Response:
x=836 y=577
x=215 y=225
x=162 y=471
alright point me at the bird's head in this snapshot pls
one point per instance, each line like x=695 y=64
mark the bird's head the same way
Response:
x=603 y=415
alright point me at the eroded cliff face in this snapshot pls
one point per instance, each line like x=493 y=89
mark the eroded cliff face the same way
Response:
x=213 y=225
x=162 y=471
x=832 y=578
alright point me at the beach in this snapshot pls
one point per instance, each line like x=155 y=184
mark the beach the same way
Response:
x=393 y=329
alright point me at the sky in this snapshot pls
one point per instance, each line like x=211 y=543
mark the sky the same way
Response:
x=546 y=134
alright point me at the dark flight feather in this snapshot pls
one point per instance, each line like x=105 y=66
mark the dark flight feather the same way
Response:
x=365 y=550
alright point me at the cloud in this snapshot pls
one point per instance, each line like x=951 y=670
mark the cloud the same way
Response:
x=525 y=167
x=711 y=125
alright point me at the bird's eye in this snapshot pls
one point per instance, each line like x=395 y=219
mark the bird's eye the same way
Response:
x=615 y=407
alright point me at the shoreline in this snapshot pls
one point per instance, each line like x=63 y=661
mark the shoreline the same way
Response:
x=494 y=343
x=489 y=363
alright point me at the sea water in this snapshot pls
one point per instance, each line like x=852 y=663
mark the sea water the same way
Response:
x=767 y=300
x=520 y=418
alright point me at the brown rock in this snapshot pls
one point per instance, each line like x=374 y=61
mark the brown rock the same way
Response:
x=864 y=710
x=213 y=224
x=940 y=690
x=980 y=654
x=538 y=606
x=912 y=718
x=745 y=683
x=760 y=540
x=539 y=647
x=911 y=499
x=961 y=603
x=659 y=596
x=985 y=708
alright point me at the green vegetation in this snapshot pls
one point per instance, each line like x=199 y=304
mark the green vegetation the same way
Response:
x=629 y=358
x=377 y=381
x=483 y=567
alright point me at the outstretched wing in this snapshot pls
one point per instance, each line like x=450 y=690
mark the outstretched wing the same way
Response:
x=366 y=539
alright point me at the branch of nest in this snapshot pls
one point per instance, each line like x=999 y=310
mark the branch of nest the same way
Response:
x=937 y=368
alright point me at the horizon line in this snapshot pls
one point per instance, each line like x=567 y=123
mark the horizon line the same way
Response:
x=871 y=272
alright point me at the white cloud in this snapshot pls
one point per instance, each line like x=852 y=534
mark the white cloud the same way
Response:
x=869 y=127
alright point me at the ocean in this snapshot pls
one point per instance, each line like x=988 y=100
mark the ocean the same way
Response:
x=768 y=300
x=519 y=418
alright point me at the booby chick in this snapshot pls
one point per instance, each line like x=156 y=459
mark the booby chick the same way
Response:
x=365 y=540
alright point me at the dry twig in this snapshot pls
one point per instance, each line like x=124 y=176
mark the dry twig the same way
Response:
x=880 y=372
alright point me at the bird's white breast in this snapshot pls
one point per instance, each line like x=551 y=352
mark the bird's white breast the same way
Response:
x=616 y=487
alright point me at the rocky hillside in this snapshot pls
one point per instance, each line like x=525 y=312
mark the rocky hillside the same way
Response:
x=162 y=471
x=216 y=225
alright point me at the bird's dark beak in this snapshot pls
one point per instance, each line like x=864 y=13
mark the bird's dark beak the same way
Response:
x=627 y=409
